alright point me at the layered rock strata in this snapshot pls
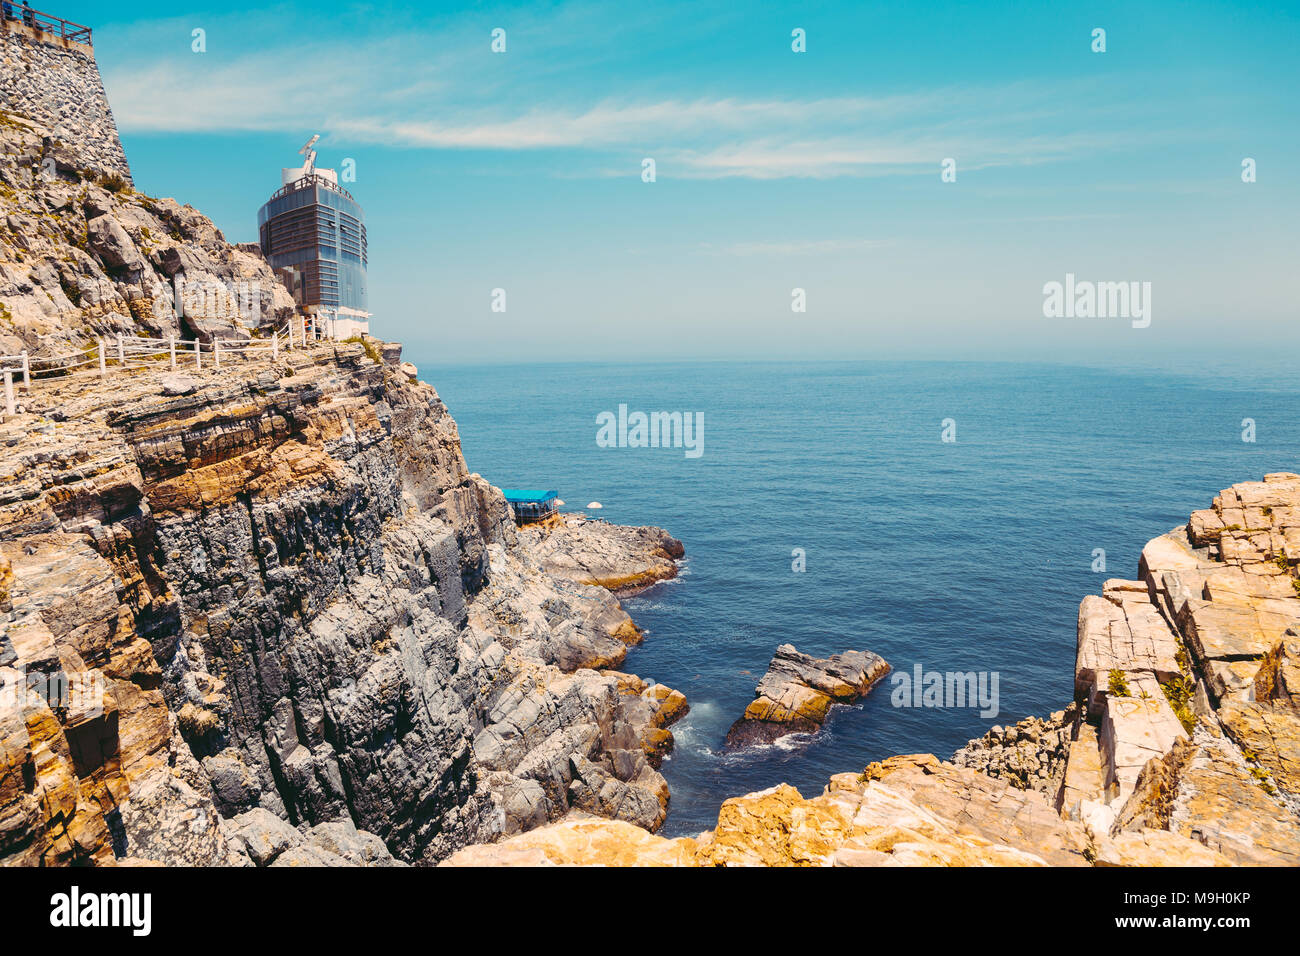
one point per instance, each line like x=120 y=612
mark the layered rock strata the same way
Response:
x=287 y=593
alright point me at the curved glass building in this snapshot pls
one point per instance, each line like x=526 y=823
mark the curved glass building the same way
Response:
x=313 y=234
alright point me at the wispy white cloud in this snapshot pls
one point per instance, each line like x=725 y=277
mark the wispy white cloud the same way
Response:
x=421 y=91
x=795 y=247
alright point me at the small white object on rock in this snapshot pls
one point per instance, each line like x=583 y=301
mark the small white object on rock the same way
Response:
x=179 y=385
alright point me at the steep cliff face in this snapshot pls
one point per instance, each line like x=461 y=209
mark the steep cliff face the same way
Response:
x=299 y=602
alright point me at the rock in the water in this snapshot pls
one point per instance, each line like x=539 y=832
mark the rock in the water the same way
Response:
x=797 y=692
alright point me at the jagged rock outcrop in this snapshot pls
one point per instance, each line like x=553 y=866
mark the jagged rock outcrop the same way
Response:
x=1030 y=754
x=592 y=551
x=267 y=840
x=1188 y=722
x=83 y=255
x=797 y=693
x=297 y=594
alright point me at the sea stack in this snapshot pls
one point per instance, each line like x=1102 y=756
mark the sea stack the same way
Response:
x=796 y=693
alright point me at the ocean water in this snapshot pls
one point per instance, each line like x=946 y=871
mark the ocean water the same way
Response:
x=970 y=555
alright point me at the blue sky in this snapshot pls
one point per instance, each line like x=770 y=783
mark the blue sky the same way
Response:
x=775 y=170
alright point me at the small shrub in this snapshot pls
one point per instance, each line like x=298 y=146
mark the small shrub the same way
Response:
x=1179 y=691
x=1117 y=684
x=71 y=290
x=1262 y=778
x=113 y=182
x=372 y=350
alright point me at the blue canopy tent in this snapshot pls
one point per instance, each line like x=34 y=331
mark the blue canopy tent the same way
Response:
x=531 y=504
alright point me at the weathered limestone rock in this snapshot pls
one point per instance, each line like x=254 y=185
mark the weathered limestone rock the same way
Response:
x=580 y=840
x=262 y=834
x=908 y=811
x=1156 y=848
x=1278 y=678
x=1205 y=790
x=1083 y=785
x=1123 y=632
x=521 y=604
x=591 y=551
x=85 y=256
x=797 y=692
x=1269 y=734
x=1134 y=730
x=179 y=385
x=268 y=840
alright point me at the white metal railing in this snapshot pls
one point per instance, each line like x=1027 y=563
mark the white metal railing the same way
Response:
x=127 y=352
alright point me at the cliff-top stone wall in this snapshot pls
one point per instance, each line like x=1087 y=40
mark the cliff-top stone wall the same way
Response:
x=56 y=82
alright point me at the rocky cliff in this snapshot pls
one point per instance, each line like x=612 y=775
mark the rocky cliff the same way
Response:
x=297 y=600
x=263 y=613
x=83 y=255
x=1182 y=746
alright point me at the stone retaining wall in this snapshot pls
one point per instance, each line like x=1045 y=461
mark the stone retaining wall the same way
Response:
x=56 y=82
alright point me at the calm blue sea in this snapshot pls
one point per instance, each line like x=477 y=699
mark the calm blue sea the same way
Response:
x=970 y=555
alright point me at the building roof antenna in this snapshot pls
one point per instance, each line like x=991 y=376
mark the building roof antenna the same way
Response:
x=309 y=166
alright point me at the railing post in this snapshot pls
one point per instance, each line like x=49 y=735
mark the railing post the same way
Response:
x=198 y=353
x=171 y=348
x=216 y=351
x=275 y=345
x=121 y=351
x=27 y=373
x=103 y=364
x=290 y=327
x=9 y=392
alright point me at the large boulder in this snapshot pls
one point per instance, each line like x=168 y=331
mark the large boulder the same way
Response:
x=798 y=691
